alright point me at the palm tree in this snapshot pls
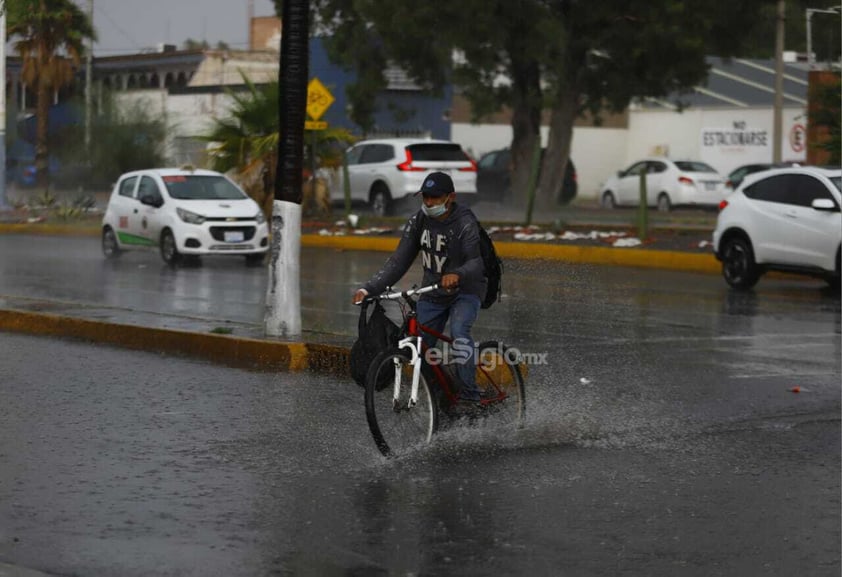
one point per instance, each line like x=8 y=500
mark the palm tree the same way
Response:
x=51 y=42
x=246 y=143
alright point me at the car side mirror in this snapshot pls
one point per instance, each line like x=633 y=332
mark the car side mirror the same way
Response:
x=152 y=200
x=824 y=204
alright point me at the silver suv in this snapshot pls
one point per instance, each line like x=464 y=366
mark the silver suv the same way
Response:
x=384 y=171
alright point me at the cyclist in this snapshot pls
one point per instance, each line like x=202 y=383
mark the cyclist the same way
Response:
x=447 y=236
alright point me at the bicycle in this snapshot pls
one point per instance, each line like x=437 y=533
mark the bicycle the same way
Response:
x=405 y=396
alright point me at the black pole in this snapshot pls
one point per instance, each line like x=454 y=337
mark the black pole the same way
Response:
x=293 y=77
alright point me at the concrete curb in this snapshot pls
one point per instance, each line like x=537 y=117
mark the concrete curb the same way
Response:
x=239 y=352
x=637 y=257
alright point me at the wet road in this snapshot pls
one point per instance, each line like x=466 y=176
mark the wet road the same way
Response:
x=663 y=435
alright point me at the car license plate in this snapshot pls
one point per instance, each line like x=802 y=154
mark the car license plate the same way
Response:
x=710 y=186
x=234 y=236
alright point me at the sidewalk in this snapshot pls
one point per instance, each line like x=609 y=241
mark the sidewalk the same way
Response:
x=313 y=351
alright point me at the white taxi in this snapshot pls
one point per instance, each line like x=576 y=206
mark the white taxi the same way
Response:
x=183 y=212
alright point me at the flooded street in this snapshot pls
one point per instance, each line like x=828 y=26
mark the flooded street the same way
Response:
x=664 y=435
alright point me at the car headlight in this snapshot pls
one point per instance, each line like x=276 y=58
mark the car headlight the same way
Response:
x=260 y=218
x=189 y=217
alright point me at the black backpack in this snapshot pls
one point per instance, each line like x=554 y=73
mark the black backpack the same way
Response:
x=493 y=266
x=375 y=333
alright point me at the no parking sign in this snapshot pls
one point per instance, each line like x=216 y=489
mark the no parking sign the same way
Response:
x=797 y=137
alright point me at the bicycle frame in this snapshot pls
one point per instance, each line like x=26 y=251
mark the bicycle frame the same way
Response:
x=413 y=342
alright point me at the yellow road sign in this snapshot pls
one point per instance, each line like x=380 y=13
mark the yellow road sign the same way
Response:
x=315 y=125
x=319 y=99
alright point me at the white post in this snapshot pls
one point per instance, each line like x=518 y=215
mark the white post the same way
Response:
x=283 y=295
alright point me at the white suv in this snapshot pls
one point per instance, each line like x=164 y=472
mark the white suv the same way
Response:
x=387 y=170
x=785 y=219
x=183 y=212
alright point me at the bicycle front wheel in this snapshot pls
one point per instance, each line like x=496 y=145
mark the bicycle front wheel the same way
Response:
x=397 y=425
x=500 y=377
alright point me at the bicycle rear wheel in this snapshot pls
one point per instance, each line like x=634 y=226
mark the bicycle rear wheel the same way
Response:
x=395 y=426
x=500 y=378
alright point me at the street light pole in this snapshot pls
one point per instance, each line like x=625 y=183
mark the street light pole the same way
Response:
x=809 y=15
x=777 y=127
x=3 y=201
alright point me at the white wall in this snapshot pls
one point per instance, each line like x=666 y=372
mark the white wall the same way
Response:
x=725 y=139
x=186 y=115
x=596 y=152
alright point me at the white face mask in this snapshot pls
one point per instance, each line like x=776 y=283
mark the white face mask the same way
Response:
x=434 y=211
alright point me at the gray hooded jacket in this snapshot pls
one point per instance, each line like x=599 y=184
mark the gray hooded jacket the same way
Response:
x=446 y=246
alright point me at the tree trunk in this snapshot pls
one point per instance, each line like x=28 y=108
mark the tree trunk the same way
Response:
x=553 y=168
x=526 y=126
x=42 y=127
x=283 y=295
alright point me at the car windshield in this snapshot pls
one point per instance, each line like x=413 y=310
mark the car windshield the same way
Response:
x=437 y=151
x=201 y=187
x=693 y=166
x=837 y=182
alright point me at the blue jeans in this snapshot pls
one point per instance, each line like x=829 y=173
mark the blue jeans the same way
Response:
x=462 y=312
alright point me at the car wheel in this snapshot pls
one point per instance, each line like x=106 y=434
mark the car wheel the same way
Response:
x=110 y=247
x=169 y=250
x=738 y=266
x=664 y=204
x=608 y=201
x=381 y=201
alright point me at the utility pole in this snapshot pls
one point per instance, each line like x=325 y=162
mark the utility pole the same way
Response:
x=283 y=296
x=3 y=201
x=777 y=128
x=88 y=74
x=250 y=25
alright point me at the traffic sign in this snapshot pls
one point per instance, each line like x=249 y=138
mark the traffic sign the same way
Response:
x=319 y=99
x=315 y=125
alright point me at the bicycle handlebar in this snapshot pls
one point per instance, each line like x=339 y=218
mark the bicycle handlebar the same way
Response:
x=401 y=294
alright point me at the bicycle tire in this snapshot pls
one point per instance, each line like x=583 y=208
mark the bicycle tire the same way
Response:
x=398 y=431
x=500 y=378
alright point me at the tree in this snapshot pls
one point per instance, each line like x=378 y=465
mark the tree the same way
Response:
x=247 y=141
x=191 y=44
x=51 y=42
x=125 y=136
x=568 y=57
x=826 y=116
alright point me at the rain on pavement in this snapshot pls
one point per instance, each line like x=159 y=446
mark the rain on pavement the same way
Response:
x=663 y=435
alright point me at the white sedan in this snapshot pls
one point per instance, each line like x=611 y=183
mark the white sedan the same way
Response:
x=669 y=183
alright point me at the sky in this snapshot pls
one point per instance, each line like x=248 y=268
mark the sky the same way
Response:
x=131 y=26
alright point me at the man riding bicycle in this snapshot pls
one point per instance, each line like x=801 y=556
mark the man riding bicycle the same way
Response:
x=447 y=236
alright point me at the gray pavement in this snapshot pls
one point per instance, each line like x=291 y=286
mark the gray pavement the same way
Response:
x=663 y=437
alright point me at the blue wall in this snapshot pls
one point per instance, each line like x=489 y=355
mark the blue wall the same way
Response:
x=426 y=113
